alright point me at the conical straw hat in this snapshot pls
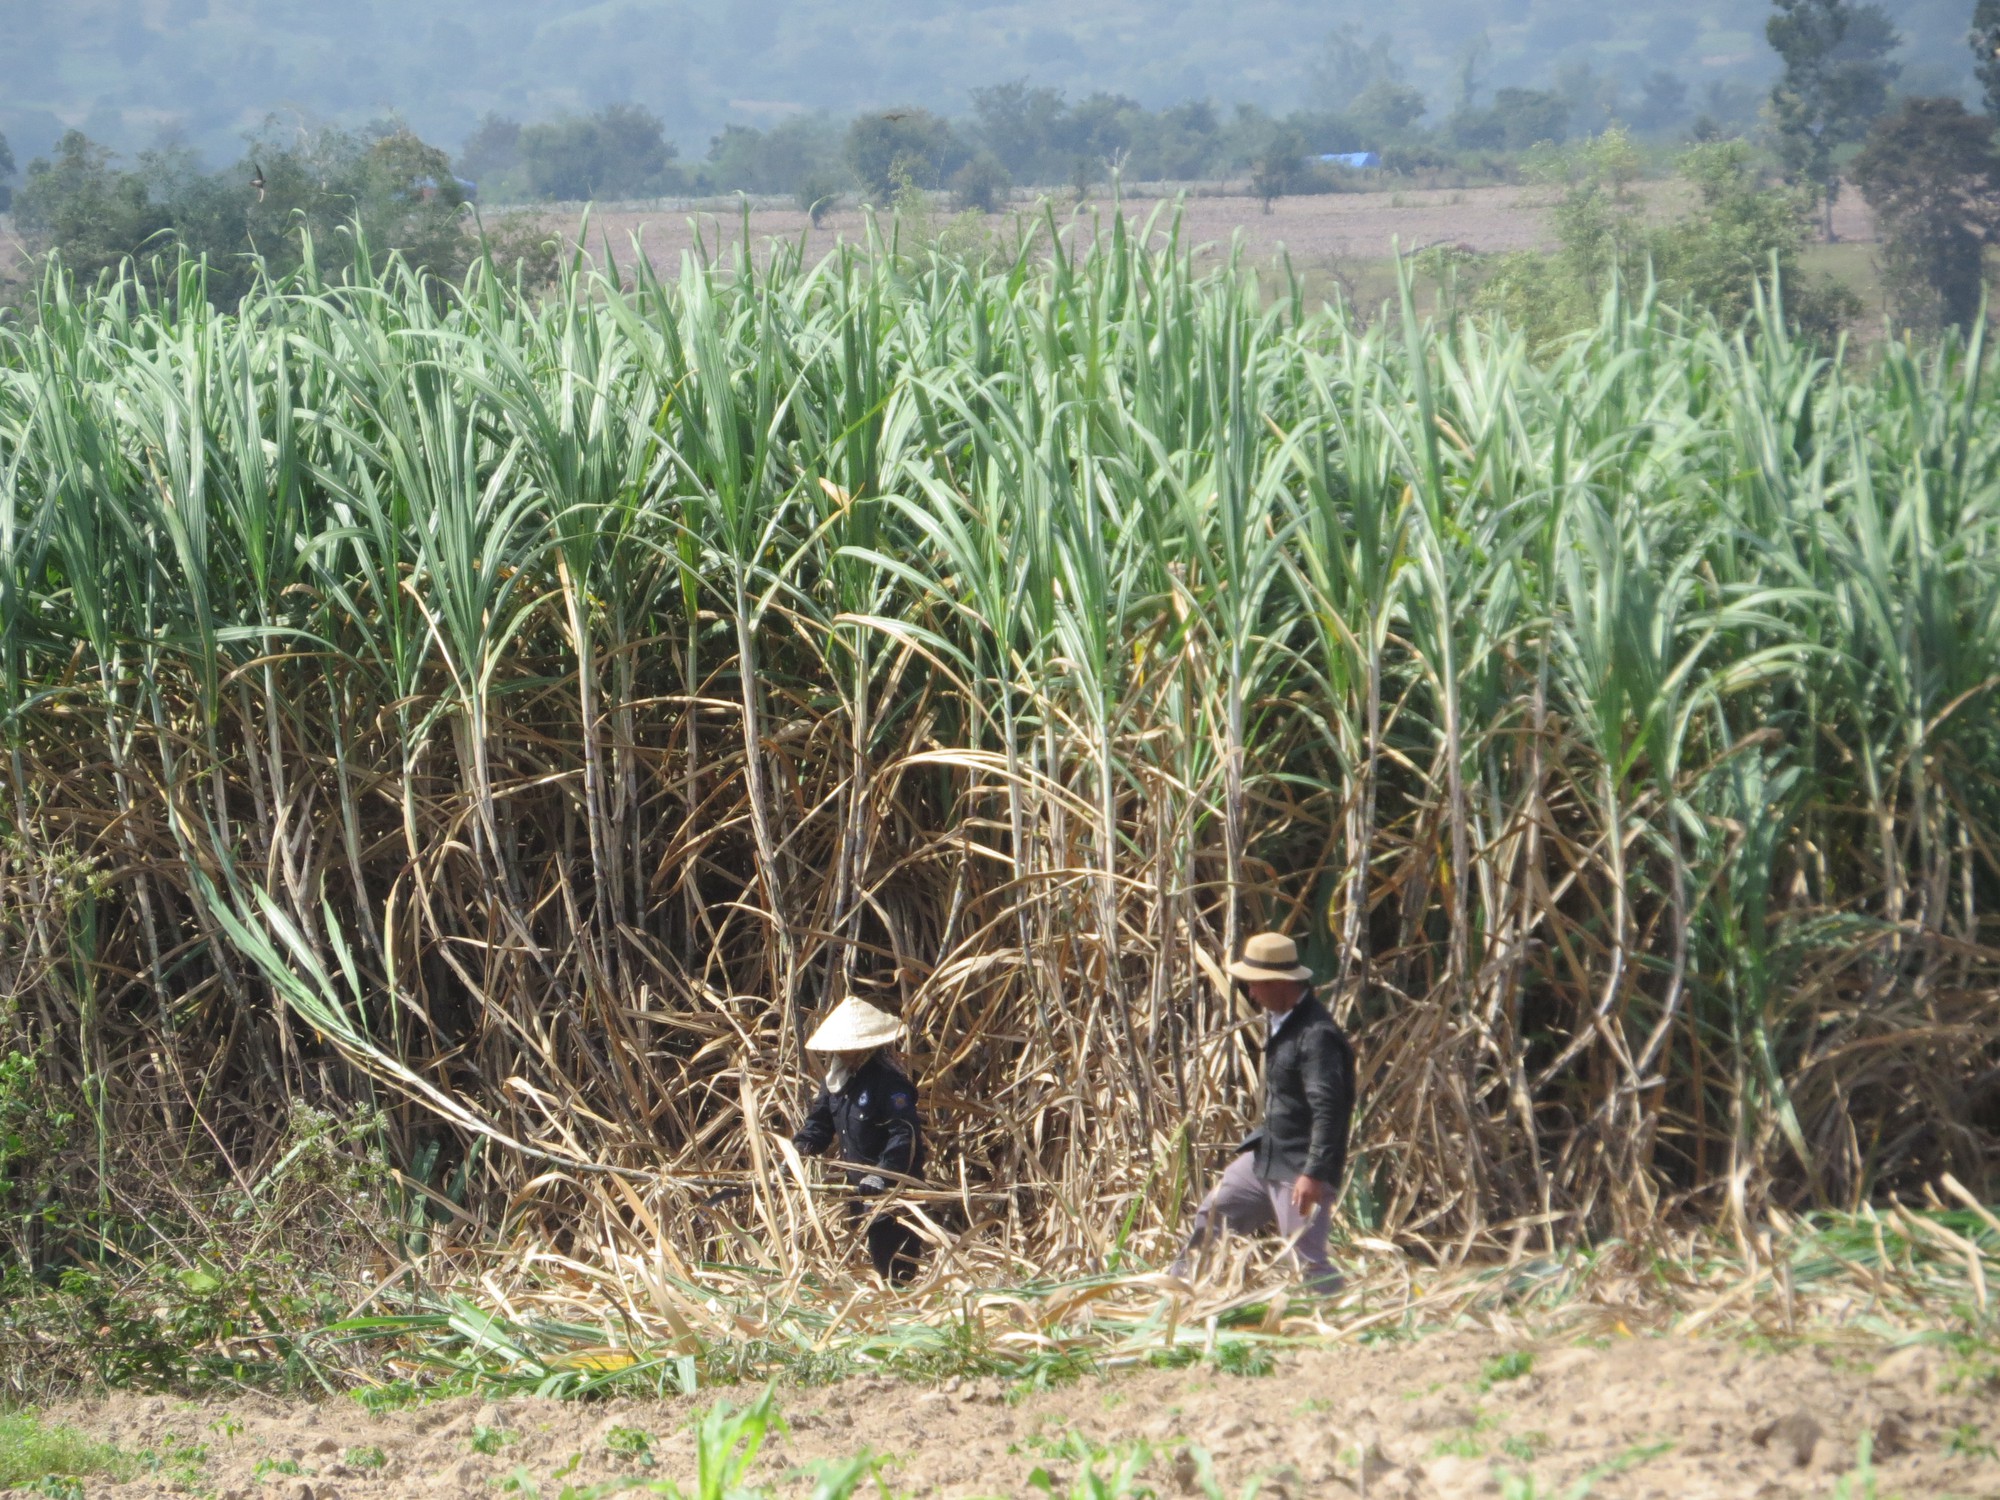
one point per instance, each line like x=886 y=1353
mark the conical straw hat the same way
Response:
x=854 y=1026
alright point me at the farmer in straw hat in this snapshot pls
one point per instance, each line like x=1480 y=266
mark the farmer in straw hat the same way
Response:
x=1287 y=1172
x=869 y=1106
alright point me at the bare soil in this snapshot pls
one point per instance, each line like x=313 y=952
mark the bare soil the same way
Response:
x=1320 y=232
x=1426 y=1420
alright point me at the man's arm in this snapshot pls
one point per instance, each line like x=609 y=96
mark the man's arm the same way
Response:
x=817 y=1133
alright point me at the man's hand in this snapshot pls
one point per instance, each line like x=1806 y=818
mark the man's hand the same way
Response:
x=1308 y=1194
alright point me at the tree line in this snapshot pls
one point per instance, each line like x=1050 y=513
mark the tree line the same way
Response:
x=1928 y=167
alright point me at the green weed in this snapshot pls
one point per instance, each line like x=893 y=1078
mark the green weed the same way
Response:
x=366 y=1458
x=393 y=1395
x=1463 y=1445
x=1252 y=1358
x=31 y=1452
x=838 y=1478
x=1512 y=1365
x=489 y=1440
x=179 y=1460
x=1966 y=1442
x=1859 y=1482
x=632 y=1443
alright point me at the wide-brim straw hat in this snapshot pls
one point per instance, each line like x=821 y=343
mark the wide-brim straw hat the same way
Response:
x=854 y=1026
x=1270 y=955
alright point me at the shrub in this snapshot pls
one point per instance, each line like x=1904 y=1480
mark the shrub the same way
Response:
x=817 y=193
x=981 y=184
x=1741 y=231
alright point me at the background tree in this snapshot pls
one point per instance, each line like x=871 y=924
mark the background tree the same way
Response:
x=1931 y=174
x=619 y=152
x=492 y=153
x=1347 y=67
x=1018 y=125
x=980 y=186
x=1836 y=83
x=77 y=201
x=1663 y=102
x=393 y=189
x=801 y=152
x=901 y=143
x=1278 y=166
x=6 y=172
x=1516 y=120
x=1985 y=43
x=1176 y=144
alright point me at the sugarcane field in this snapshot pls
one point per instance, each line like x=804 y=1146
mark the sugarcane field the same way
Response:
x=1029 y=813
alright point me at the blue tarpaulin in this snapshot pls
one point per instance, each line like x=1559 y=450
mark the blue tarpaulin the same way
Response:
x=1359 y=159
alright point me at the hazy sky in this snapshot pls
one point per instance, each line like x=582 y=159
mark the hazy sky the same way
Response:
x=133 y=71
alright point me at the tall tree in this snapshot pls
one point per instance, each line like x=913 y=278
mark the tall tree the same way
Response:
x=1931 y=173
x=1836 y=83
x=1985 y=43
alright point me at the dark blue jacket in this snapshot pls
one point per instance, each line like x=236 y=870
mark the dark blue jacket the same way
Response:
x=874 y=1118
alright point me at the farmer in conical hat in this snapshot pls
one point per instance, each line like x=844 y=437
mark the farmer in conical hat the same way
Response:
x=869 y=1106
x=1286 y=1173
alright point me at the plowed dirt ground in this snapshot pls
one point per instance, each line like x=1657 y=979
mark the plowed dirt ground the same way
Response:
x=1327 y=231
x=1450 y=1415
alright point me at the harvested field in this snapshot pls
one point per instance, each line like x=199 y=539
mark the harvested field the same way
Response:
x=1327 y=230
x=1455 y=1414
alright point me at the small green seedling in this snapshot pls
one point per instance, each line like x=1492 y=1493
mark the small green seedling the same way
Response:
x=1510 y=1366
x=632 y=1443
x=488 y=1440
x=366 y=1458
x=1464 y=1445
x=1860 y=1483
x=1965 y=1442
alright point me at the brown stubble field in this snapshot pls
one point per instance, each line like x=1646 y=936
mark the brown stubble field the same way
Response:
x=1349 y=239
x=1343 y=241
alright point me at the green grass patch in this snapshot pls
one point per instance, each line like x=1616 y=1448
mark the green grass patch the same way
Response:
x=31 y=1451
x=1505 y=1367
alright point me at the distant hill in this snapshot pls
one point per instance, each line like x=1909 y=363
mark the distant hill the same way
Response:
x=132 y=72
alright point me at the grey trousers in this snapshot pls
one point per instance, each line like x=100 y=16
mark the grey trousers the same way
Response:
x=1244 y=1203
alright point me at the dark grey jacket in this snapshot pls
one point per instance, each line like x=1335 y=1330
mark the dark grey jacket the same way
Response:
x=1308 y=1098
